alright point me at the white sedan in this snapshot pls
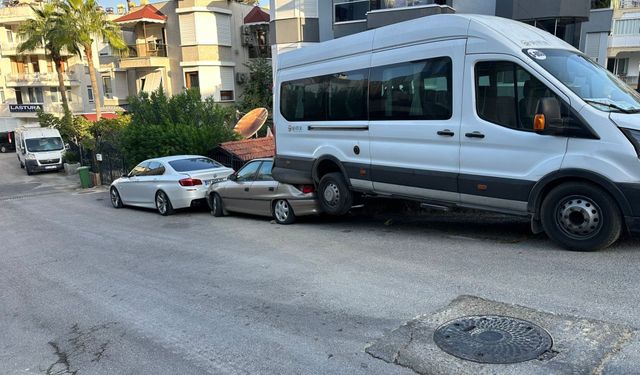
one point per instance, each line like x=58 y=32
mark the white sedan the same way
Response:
x=168 y=183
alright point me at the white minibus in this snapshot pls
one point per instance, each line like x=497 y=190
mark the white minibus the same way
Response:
x=39 y=149
x=464 y=111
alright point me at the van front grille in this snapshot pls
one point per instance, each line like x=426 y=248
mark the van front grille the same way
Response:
x=49 y=161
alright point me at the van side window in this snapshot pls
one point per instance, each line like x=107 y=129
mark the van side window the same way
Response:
x=508 y=95
x=336 y=97
x=417 y=90
x=348 y=96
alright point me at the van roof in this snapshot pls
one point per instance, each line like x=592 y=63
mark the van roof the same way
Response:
x=29 y=132
x=487 y=34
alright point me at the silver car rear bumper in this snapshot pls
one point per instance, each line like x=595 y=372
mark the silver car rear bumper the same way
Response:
x=304 y=207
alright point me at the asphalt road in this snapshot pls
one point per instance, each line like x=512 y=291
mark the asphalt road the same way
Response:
x=88 y=289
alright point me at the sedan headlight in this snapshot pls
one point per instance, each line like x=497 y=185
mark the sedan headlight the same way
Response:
x=30 y=156
x=634 y=137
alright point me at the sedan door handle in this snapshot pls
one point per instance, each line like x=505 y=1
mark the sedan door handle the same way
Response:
x=272 y=189
x=246 y=189
x=446 y=133
x=475 y=134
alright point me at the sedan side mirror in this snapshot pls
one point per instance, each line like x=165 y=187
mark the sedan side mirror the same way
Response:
x=548 y=119
x=232 y=177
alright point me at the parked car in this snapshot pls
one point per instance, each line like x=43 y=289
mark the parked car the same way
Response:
x=252 y=190
x=168 y=183
x=7 y=142
x=39 y=149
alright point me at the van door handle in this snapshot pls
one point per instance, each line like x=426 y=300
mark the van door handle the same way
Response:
x=446 y=133
x=475 y=134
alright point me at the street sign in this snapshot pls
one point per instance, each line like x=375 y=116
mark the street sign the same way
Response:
x=99 y=157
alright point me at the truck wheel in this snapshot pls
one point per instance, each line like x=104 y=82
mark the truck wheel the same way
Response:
x=163 y=204
x=334 y=194
x=216 y=205
x=283 y=212
x=581 y=217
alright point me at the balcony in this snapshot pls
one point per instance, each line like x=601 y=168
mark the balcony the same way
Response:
x=11 y=49
x=626 y=4
x=38 y=80
x=149 y=55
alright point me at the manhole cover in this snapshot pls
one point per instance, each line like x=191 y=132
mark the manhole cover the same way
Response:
x=492 y=339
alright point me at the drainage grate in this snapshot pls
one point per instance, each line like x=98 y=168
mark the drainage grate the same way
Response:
x=493 y=339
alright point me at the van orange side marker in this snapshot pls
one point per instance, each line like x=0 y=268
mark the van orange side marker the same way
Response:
x=539 y=123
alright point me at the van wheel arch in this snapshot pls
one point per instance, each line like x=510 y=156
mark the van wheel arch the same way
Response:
x=328 y=164
x=553 y=180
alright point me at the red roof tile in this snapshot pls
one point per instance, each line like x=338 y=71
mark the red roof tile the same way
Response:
x=147 y=12
x=257 y=15
x=253 y=148
x=92 y=116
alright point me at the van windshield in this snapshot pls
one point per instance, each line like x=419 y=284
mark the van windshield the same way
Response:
x=593 y=83
x=44 y=144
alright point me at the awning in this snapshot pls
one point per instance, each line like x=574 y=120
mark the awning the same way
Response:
x=147 y=13
x=93 y=118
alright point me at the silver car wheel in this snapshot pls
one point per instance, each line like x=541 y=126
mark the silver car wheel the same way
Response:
x=115 y=198
x=282 y=210
x=161 y=203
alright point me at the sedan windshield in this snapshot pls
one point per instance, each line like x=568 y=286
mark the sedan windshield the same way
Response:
x=44 y=144
x=590 y=81
x=194 y=164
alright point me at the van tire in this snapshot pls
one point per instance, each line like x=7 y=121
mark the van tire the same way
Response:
x=581 y=217
x=21 y=165
x=334 y=194
x=29 y=173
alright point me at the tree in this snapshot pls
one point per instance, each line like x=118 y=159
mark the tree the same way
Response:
x=83 y=20
x=44 y=30
x=258 y=91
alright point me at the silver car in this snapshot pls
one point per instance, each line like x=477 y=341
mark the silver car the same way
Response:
x=168 y=183
x=252 y=190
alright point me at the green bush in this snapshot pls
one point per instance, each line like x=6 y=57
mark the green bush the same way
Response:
x=183 y=124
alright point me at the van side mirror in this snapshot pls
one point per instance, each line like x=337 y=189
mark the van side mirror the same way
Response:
x=548 y=118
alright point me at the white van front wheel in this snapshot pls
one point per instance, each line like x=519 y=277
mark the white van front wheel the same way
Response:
x=334 y=194
x=581 y=217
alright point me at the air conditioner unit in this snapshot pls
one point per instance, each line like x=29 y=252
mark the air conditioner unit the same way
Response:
x=242 y=78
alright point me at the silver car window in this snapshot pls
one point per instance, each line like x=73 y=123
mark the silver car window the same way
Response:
x=248 y=172
x=155 y=169
x=140 y=169
x=264 y=174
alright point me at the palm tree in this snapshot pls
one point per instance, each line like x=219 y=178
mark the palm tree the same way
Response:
x=44 y=31
x=83 y=20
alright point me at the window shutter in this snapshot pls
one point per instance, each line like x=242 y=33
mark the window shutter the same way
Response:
x=187 y=29
x=223 y=25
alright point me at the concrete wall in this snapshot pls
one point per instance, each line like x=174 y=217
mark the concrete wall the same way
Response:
x=487 y=7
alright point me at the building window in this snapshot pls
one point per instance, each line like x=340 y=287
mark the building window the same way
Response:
x=226 y=95
x=69 y=95
x=35 y=95
x=192 y=80
x=55 y=95
x=2 y=97
x=90 y=94
x=9 y=36
x=108 y=89
x=351 y=11
x=626 y=27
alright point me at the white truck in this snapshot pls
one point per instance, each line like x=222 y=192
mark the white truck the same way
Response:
x=39 y=149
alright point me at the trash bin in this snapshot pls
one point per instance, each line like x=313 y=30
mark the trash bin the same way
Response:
x=85 y=180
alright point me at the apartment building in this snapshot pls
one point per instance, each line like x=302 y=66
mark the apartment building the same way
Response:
x=624 y=42
x=296 y=22
x=29 y=82
x=185 y=44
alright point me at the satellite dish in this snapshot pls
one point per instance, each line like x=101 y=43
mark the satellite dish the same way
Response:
x=250 y=123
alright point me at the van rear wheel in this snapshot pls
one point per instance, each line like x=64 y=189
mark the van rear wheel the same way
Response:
x=334 y=194
x=581 y=217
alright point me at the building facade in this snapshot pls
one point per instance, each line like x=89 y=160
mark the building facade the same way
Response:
x=624 y=42
x=185 y=44
x=296 y=22
x=29 y=82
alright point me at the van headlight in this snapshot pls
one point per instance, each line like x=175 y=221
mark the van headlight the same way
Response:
x=634 y=137
x=30 y=156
